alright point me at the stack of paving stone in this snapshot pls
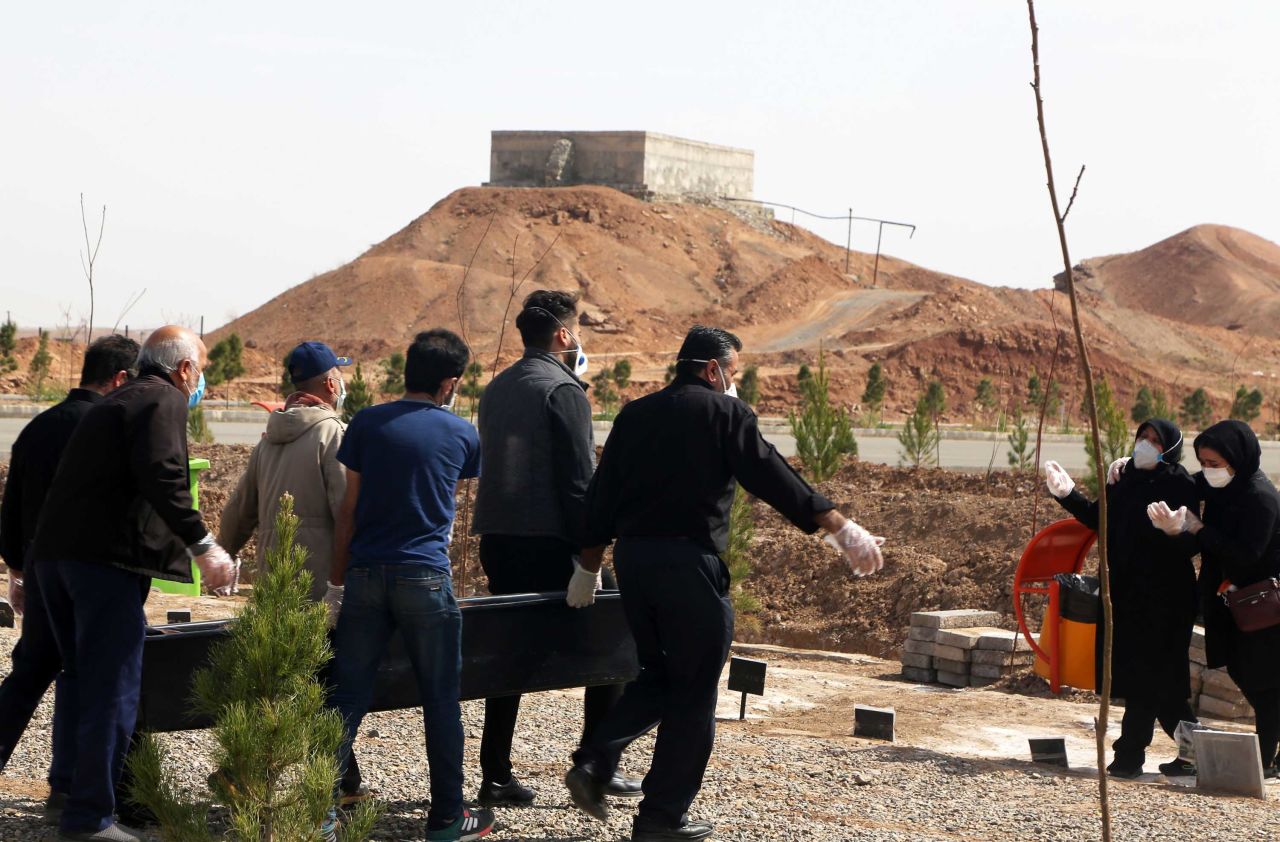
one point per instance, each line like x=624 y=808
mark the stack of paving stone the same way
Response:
x=961 y=648
x=1213 y=692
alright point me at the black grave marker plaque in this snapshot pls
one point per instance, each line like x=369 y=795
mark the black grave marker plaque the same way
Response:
x=746 y=675
x=873 y=723
x=1051 y=751
x=179 y=616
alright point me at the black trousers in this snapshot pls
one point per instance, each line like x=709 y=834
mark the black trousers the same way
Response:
x=529 y=564
x=1139 y=725
x=676 y=597
x=351 y=779
x=36 y=663
x=1266 y=714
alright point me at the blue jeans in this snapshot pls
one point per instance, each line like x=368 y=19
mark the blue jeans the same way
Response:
x=418 y=601
x=95 y=611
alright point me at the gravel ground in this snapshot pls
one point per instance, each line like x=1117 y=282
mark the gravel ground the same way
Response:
x=788 y=773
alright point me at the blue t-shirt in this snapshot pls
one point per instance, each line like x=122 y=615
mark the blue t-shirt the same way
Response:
x=410 y=456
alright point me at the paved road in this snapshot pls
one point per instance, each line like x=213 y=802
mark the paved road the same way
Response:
x=957 y=454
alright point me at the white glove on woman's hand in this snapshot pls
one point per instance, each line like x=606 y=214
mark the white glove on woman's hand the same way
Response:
x=1057 y=480
x=17 y=592
x=1167 y=520
x=860 y=548
x=233 y=587
x=1113 y=473
x=216 y=568
x=582 y=587
x=333 y=602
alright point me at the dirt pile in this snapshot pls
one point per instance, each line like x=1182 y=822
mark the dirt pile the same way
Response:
x=1209 y=274
x=647 y=270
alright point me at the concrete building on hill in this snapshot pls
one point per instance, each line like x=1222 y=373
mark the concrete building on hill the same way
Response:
x=644 y=164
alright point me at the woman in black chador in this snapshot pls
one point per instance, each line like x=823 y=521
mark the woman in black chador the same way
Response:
x=1239 y=543
x=1153 y=591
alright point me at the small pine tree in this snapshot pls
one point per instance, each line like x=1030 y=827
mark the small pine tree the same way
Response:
x=41 y=364
x=670 y=375
x=1247 y=405
x=1143 y=406
x=393 y=374
x=935 y=398
x=1197 y=411
x=873 y=395
x=1020 y=452
x=8 y=345
x=471 y=388
x=749 y=385
x=1114 y=433
x=919 y=437
x=737 y=556
x=605 y=395
x=277 y=743
x=622 y=372
x=984 y=397
x=358 y=396
x=197 y=427
x=1035 y=392
x=823 y=431
x=803 y=373
x=226 y=361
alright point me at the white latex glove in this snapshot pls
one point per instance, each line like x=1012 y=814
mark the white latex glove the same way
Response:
x=216 y=568
x=1113 y=473
x=582 y=587
x=333 y=602
x=17 y=592
x=1057 y=480
x=1194 y=523
x=1167 y=520
x=233 y=587
x=861 y=549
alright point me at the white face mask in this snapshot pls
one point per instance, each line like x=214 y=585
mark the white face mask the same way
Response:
x=580 y=363
x=1217 y=477
x=731 y=389
x=341 y=397
x=453 y=399
x=1146 y=455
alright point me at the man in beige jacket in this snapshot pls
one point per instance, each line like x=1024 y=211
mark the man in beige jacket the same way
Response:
x=299 y=455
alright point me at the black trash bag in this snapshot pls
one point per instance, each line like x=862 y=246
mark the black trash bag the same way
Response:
x=1079 y=597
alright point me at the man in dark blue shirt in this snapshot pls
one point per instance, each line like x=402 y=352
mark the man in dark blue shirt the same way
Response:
x=391 y=564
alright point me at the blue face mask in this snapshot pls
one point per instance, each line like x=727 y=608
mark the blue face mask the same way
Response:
x=197 y=394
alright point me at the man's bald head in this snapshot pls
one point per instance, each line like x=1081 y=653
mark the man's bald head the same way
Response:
x=178 y=352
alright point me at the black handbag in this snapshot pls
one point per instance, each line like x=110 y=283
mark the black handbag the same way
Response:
x=1255 y=607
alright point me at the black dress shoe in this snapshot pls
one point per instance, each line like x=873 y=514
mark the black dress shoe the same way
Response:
x=587 y=793
x=1178 y=769
x=511 y=794
x=645 y=832
x=1125 y=771
x=620 y=787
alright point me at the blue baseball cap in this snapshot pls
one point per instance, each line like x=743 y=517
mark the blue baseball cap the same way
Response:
x=311 y=359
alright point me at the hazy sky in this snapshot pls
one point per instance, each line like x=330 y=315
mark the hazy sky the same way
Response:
x=243 y=147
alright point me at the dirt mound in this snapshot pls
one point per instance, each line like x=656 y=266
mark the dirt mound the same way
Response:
x=953 y=541
x=646 y=271
x=1209 y=274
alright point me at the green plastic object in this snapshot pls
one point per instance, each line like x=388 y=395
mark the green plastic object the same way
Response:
x=194 y=467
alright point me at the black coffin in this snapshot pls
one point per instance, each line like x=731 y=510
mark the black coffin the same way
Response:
x=522 y=643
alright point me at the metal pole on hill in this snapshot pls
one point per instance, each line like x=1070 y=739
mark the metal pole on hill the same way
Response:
x=848 y=242
x=1060 y=218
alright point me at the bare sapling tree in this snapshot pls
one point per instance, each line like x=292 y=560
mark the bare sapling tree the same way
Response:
x=1060 y=219
x=89 y=257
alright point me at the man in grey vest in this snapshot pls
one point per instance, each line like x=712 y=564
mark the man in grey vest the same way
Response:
x=537 y=457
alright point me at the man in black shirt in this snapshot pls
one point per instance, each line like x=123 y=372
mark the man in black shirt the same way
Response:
x=33 y=462
x=537 y=454
x=118 y=514
x=663 y=491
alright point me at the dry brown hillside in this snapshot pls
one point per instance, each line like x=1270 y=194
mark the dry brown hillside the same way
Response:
x=1209 y=274
x=647 y=271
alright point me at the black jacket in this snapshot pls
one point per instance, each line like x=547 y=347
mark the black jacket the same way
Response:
x=121 y=495
x=1240 y=543
x=34 y=460
x=537 y=451
x=669 y=466
x=1152 y=575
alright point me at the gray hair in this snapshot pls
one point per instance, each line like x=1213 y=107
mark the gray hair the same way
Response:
x=167 y=354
